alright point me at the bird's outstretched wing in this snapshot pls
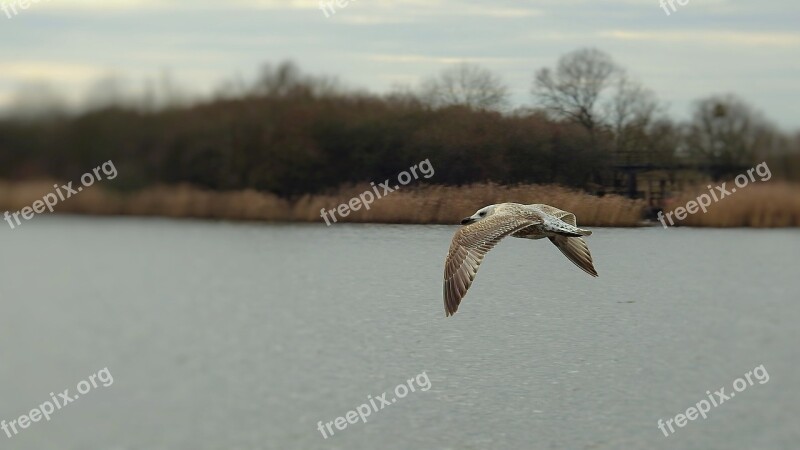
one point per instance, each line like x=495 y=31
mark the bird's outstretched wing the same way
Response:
x=574 y=248
x=470 y=244
x=577 y=251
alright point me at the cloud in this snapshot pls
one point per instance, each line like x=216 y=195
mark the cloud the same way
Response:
x=426 y=59
x=734 y=38
x=44 y=70
x=372 y=43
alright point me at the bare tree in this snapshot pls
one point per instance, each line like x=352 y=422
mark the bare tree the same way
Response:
x=631 y=104
x=287 y=80
x=625 y=122
x=636 y=119
x=107 y=92
x=38 y=100
x=163 y=93
x=278 y=81
x=403 y=95
x=727 y=132
x=468 y=85
x=574 y=89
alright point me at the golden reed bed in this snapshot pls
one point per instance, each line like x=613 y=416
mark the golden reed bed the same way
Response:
x=765 y=205
x=762 y=205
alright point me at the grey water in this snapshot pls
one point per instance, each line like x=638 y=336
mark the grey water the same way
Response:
x=245 y=336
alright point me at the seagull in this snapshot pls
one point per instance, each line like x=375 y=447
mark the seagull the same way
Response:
x=484 y=229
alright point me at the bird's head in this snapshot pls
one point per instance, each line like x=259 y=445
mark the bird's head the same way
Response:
x=479 y=215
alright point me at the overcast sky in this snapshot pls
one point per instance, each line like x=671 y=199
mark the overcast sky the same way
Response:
x=705 y=47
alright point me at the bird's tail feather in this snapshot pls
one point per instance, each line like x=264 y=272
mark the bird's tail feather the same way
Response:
x=563 y=228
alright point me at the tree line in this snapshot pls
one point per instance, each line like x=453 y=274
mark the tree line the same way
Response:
x=289 y=133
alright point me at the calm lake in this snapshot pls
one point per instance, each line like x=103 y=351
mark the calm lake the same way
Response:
x=245 y=336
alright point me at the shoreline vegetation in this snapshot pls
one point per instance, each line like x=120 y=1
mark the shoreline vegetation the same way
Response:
x=284 y=145
x=765 y=205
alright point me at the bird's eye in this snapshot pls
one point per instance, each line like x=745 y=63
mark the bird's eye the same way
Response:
x=482 y=214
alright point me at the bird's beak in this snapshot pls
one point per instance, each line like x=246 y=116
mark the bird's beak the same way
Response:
x=467 y=220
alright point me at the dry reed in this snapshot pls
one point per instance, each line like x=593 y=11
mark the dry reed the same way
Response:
x=759 y=205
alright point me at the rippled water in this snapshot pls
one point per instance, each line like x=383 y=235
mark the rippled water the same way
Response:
x=245 y=336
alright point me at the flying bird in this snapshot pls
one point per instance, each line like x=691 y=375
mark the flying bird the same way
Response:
x=484 y=229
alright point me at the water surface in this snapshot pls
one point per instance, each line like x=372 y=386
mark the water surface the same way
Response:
x=245 y=336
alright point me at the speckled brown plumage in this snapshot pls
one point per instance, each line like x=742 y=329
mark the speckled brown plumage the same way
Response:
x=491 y=224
